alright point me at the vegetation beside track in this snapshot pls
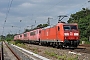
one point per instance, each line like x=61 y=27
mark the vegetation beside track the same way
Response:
x=61 y=57
x=47 y=51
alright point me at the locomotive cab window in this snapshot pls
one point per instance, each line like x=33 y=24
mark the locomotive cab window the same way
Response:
x=74 y=27
x=70 y=27
x=66 y=27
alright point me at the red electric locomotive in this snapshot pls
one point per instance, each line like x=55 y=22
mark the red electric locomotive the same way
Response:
x=62 y=34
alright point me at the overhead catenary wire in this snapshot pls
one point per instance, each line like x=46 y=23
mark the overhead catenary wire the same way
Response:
x=76 y=10
x=62 y=0
x=52 y=6
x=8 y=10
x=46 y=10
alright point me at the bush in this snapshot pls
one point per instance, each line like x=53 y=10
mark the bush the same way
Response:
x=84 y=39
x=16 y=42
x=8 y=39
x=87 y=42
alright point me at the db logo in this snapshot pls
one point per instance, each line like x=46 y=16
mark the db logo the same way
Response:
x=71 y=33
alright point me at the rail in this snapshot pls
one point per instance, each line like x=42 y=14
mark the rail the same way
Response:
x=2 y=54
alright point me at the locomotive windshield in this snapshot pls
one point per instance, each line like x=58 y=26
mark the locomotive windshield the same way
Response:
x=70 y=27
x=74 y=27
x=66 y=27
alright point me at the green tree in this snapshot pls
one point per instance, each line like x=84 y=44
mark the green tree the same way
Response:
x=27 y=30
x=83 y=19
x=9 y=37
x=40 y=26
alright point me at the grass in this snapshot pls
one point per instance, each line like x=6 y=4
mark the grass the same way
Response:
x=87 y=42
x=18 y=43
x=21 y=45
x=12 y=42
x=35 y=50
x=61 y=57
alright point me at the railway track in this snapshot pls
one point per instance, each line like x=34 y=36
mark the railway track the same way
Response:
x=85 y=48
x=8 y=53
x=12 y=52
x=81 y=49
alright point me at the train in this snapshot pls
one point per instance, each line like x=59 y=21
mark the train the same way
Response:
x=59 y=35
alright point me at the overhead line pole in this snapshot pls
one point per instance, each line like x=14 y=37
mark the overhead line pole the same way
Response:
x=6 y=16
x=49 y=21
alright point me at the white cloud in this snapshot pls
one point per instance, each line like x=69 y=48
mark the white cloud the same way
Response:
x=26 y=5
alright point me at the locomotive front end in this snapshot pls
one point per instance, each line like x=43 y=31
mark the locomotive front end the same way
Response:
x=71 y=35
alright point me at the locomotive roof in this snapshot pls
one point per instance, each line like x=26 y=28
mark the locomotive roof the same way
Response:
x=67 y=23
x=48 y=27
x=60 y=24
x=70 y=24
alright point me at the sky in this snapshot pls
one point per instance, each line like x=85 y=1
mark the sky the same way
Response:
x=19 y=15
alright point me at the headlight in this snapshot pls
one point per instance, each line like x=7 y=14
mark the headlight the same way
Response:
x=66 y=34
x=76 y=34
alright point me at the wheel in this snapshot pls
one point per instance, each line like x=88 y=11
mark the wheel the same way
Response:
x=57 y=45
x=53 y=44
